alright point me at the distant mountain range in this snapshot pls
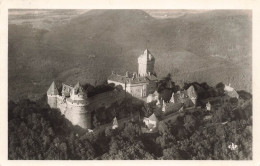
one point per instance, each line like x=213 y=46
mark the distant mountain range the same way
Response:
x=212 y=46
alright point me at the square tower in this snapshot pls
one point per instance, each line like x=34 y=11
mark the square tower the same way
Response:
x=146 y=63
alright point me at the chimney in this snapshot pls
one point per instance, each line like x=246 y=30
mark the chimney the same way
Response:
x=149 y=73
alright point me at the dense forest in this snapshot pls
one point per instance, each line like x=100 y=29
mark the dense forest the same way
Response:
x=37 y=132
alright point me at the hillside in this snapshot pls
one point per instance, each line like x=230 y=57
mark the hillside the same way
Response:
x=200 y=47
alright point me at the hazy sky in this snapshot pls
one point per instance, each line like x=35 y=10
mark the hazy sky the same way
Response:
x=169 y=13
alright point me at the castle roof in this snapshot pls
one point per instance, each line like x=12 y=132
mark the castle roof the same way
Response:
x=78 y=89
x=152 y=77
x=156 y=93
x=153 y=117
x=133 y=80
x=53 y=89
x=147 y=56
x=115 y=121
x=191 y=92
x=173 y=107
x=231 y=92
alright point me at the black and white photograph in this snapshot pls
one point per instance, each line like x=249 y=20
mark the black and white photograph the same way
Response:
x=129 y=84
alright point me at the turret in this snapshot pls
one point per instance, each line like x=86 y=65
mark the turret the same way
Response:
x=52 y=89
x=115 y=123
x=77 y=107
x=172 y=98
x=52 y=94
x=78 y=92
x=146 y=63
x=192 y=94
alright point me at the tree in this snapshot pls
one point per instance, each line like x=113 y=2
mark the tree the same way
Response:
x=220 y=115
x=190 y=123
x=166 y=95
x=171 y=154
x=220 y=89
x=131 y=131
x=163 y=128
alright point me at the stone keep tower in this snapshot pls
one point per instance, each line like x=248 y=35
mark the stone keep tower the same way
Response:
x=77 y=111
x=146 y=63
x=52 y=95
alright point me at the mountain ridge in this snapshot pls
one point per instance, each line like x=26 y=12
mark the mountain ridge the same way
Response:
x=99 y=41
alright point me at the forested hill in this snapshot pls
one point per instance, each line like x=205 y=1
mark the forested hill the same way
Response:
x=213 y=46
x=37 y=132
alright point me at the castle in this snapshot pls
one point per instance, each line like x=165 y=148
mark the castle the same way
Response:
x=139 y=84
x=81 y=110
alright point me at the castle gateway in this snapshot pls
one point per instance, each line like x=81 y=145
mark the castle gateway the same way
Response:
x=141 y=84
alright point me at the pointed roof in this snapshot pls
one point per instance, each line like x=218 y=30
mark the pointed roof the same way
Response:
x=181 y=109
x=146 y=52
x=156 y=93
x=153 y=117
x=147 y=56
x=191 y=92
x=115 y=121
x=231 y=92
x=78 y=89
x=228 y=88
x=53 y=89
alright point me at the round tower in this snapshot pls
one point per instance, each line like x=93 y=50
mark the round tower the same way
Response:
x=52 y=95
x=146 y=63
x=77 y=111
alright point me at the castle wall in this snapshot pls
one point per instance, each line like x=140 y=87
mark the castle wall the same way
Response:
x=52 y=101
x=77 y=97
x=61 y=104
x=78 y=115
x=145 y=67
x=79 y=112
x=150 y=67
x=142 y=69
x=137 y=91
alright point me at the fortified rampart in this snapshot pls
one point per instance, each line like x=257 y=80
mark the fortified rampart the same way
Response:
x=74 y=104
